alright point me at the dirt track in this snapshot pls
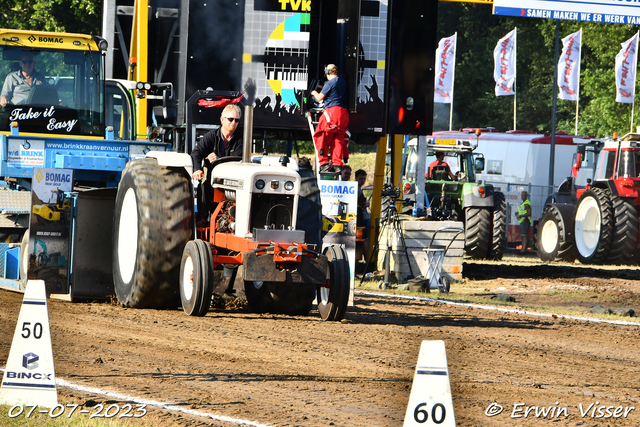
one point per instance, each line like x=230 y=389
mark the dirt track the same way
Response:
x=300 y=371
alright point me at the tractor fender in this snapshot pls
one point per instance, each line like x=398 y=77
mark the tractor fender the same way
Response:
x=172 y=159
x=473 y=200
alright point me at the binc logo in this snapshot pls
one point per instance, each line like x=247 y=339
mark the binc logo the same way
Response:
x=30 y=361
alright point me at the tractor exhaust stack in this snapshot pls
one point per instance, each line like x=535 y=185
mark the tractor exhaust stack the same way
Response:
x=247 y=136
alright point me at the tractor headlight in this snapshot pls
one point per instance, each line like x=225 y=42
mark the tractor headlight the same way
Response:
x=288 y=185
x=260 y=184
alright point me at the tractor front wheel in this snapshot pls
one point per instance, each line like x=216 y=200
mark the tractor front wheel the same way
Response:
x=551 y=238
x=196 y=276
x=593 y=226
x=333 y=296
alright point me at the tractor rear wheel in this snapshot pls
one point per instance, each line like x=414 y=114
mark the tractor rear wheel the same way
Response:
x=499 y=229
x=333 y=296
x=551 y=242
x=625 y=234
x=309 y=217
x=279 y=297
x=477 y=233
x=23 y=268
x=593 y=226
x=152 y=224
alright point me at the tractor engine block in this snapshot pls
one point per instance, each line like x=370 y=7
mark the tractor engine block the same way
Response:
x=225 y=223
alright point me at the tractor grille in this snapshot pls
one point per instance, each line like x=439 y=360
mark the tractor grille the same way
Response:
x=271 y=210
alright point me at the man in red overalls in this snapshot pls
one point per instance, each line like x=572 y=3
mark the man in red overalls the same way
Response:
x=332 y=131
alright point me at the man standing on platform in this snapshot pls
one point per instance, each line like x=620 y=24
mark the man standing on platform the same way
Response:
x=332 y=131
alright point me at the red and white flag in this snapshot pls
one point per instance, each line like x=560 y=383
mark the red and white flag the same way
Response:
x=445 y=70
x=504 y=59
x=626 y=61
x=569 y=67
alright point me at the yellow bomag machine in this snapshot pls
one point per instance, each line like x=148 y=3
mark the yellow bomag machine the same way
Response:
x=58 y=210
x=339 y=219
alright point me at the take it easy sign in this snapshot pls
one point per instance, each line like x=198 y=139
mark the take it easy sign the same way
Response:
x=605 y=11
x=49 y=119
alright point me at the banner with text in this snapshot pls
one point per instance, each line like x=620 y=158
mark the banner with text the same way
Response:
x=626 y=61
x=607 y=11
x=445 y=68
x=504 y=58
x=569 y=67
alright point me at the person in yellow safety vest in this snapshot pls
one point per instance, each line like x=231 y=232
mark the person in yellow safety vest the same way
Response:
x=524 y=218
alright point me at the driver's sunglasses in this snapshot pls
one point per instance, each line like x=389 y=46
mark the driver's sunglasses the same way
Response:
x=27 y=61
x=232 y=119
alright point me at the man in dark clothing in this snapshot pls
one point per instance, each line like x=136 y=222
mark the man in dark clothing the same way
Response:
x=218 y=143
x=221 y=142
x=332 y=131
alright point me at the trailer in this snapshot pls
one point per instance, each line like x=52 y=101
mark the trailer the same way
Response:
x=65 y=123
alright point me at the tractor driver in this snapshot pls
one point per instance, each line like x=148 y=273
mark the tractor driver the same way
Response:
x=220 y=142
x=439 y=161
x=18 y=84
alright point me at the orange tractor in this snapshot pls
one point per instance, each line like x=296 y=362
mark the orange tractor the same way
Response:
x=265 y=229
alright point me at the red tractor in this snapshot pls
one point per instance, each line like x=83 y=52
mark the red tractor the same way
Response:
x=594 y=214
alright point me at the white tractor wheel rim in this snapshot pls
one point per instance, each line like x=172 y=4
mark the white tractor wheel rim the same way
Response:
x=549 y=236
x=588 y=225
x=25 y=255
x=324 y=294
x=128 y=236
x=187 y=279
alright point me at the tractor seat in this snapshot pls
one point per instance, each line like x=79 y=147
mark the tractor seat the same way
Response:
x=439 y=173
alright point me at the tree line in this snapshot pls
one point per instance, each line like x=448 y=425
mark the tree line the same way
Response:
x=475 y=103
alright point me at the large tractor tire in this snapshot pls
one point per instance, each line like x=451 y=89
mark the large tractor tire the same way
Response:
x=310 y=209
x=593 y=226
x=280 y=297
x=551 y=238
x=153 y=222
x=625 y=231
x=499 y=229
x=477 y=233
x=23 y=268
x=333 y=297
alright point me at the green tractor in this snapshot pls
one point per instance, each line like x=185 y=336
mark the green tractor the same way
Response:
x=453 y=194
